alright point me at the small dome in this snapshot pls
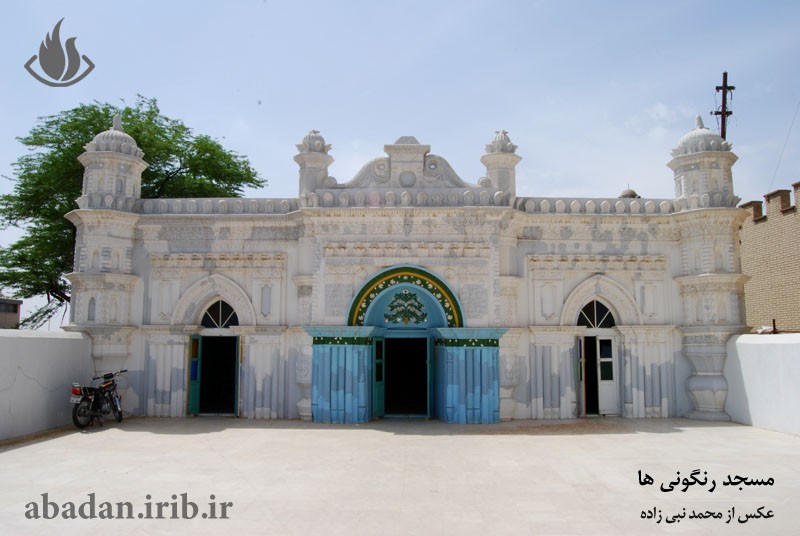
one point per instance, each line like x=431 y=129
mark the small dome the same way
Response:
x=115 y=140
x=313 y=143
x=629 y=194
x=699 y=140
x=501 y=143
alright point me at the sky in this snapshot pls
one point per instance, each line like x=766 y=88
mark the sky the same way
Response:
x=594 y=93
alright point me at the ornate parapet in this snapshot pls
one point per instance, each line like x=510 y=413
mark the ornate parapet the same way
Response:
x=408 y=177
x=470 y=196
x=224 y=205
x=555 y=205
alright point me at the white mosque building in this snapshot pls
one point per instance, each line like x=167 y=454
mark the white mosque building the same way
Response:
x=407 y=291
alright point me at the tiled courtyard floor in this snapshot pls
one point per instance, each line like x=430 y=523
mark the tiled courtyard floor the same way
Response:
x=404 y=477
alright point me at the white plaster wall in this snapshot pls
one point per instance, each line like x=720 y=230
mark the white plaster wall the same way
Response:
x=762 y=373
x=36 y=373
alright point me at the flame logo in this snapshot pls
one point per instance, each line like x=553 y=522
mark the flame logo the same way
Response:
x=58 y=64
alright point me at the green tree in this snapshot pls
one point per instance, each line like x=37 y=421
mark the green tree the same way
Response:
x=49 y=178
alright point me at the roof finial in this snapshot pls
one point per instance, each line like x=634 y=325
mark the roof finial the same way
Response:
x=699 y=122
x=117 y=122
x=501 y=143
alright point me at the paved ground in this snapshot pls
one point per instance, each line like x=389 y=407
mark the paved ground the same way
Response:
x=404 y=477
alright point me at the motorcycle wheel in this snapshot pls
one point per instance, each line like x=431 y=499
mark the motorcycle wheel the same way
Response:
x=80 y=413
x=115 y=407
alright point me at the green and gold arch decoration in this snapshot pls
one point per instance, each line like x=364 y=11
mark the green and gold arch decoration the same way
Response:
x=409 y=275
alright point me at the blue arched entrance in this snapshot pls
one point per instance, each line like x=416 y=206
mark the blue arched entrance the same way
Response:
x=405 y=352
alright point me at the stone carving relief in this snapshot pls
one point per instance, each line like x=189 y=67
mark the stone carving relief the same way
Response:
x=337 y=299
x=547 y=299
x=596 y=263
x=270 y=262
x=438 y=173
x=475 y=300
x=375 y=173
x=266 y=300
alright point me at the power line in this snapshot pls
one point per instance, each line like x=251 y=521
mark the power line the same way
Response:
x=785 y=142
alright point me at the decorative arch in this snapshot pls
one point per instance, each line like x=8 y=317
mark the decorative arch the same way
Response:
x=193 y=303
x=596 y=315
x=406 y=275
x=220 y=315
x=606 y=291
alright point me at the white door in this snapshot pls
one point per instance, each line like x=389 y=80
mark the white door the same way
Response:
x=607 y=387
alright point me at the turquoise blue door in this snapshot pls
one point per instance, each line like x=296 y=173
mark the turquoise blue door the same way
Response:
x=467 y=389
x=378 y=387
x=195 y=353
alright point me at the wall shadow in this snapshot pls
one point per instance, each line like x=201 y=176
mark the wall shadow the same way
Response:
x=203 y=425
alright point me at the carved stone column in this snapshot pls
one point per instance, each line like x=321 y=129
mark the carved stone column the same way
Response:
x=712 y=309
x=708 y=388
x=303 y=378
x=510 y=373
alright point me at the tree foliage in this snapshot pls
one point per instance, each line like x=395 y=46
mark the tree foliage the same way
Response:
x=48 y=180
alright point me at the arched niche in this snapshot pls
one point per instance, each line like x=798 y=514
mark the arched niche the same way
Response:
x=381 y=288
x=193 y=304
x=606 y=291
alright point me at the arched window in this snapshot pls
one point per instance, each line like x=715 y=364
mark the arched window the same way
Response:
x=220 y=315
x=596 y=315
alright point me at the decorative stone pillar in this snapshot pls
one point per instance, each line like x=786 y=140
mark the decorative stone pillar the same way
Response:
x=500 y=162
x=510 y=372
x=303 y=378
x=707 y=386
x=314 y=161
x=509 y=380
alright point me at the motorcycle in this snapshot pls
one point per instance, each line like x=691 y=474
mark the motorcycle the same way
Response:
x=93 y=402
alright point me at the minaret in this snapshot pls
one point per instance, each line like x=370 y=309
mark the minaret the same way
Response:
x=702 y=164
x=103 y=282
x=709 y=276
x=113 y=170
x=500 y=162
x=314 y=160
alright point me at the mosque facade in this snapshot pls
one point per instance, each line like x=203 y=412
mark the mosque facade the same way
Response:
x=407 y=291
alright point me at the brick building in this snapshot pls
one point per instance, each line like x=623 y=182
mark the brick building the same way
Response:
x=771 y=259
x=9 y=313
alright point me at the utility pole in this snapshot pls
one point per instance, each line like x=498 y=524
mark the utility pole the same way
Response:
x=724 y=113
